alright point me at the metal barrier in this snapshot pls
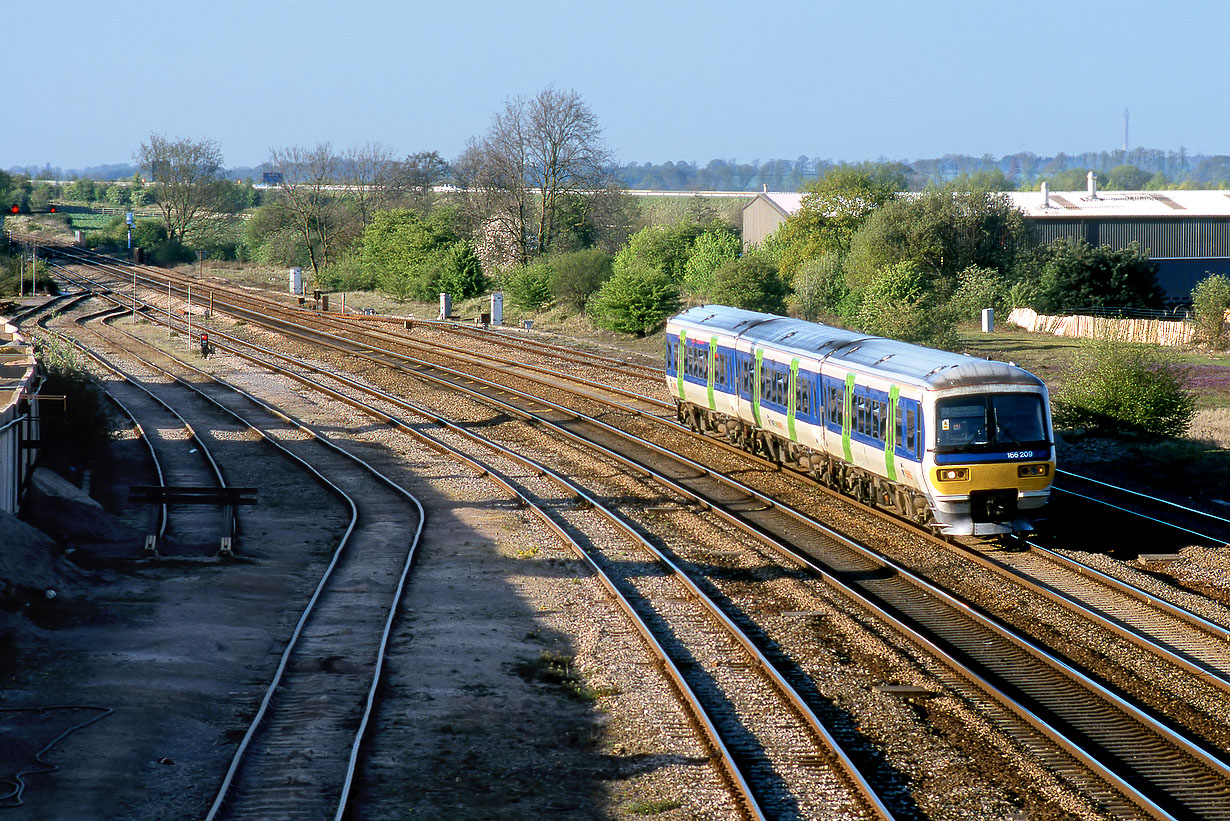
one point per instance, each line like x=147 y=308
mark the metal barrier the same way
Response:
x=18 y=415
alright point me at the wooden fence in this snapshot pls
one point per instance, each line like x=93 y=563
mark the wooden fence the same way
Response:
x=1170 y=332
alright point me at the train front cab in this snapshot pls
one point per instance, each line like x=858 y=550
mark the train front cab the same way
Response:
x=990 y=460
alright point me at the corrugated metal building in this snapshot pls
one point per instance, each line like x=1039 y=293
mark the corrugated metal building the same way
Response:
x=1187 y=233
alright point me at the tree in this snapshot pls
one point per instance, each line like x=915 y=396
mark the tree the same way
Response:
x=187 y=183
x=366 y=171
x=942 y=231
x=529 y=287
x=979 y=288
x=1075 y=275
x=637 y=299
x=1126 y=178
x=751 y=282
x=665 y=247
x=412 y=257
x=819 y=287
x=710 y=250
x=411 y=182
x=834 y=208
x=1210 y=301
x=307 y=199
x=535 y=156
x=899 y=303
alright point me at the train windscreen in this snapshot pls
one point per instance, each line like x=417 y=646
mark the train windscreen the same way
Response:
x=990 y=422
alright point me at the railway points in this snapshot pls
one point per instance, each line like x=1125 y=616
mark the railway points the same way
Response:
x=400 y=363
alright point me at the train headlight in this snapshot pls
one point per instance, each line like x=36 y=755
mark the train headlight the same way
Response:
x=1025 y=471
x=953 y=474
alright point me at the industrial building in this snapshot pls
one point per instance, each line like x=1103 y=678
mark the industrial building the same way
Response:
x=1187 y=233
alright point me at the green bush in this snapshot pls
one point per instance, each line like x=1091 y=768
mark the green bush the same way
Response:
x=529 y=287
x=751 y=282
x=637 y=299
x=575 y=277
x=819 y=287
x=1210 y=300
x=711 y=250
x=979 y=288
x=78 y=431
x=897 y=304
x=1115 y=388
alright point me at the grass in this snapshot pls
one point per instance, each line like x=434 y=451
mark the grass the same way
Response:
x=654 y=806
x=558 y=669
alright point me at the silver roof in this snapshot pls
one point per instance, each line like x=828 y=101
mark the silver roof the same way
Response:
x=905 y=361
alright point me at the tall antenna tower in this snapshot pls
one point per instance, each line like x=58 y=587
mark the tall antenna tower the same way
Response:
x=1125 y=131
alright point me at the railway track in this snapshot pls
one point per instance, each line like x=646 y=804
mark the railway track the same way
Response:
x=298 y=753
x=1193 y=780
x=711 y=680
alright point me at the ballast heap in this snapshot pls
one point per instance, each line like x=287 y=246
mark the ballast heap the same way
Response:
x=957 y=443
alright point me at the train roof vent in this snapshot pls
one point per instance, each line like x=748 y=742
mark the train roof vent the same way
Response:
x=885 y=358
x=937 y=370
x=792 y=333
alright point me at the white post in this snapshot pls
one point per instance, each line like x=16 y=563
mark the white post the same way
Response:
x=134 y=295
x=189 y=313
x=170 y=328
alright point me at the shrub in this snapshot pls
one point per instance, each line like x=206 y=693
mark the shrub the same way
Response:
x=575 y=277
x=819 y=287
x=751 y=282
x=529 y=287
x=898 y=305
x=979 y=288
x=637 y=299
x=710 y=251
x=1115 y=387
x=80 y=433
x=1210 y=300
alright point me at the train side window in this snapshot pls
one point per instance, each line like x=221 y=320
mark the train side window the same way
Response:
x=802 y=395
x=911 y=430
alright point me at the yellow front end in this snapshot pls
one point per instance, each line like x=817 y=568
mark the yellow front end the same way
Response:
x=957 y=480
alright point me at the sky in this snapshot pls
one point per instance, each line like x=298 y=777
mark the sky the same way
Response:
x=88 y=81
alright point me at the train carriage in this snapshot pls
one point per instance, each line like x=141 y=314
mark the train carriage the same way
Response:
x=955 y=442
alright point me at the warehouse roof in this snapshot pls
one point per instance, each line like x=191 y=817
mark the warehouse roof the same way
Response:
x=1137 y=204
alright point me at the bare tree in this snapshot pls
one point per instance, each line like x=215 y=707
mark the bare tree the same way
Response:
x=187 y=182
x=536 y=154
x=412 y=181
x=566 y=155
x=366 y=171
x=309 y=197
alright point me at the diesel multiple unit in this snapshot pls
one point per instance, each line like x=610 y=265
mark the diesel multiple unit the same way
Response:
x=958 y=443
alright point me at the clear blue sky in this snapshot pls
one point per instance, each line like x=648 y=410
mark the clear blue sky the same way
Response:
x=87 y=81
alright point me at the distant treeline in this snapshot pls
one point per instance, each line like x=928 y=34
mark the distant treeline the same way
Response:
x=1139 y=168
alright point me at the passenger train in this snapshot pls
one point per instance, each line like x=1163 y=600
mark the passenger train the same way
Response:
x=960 y=444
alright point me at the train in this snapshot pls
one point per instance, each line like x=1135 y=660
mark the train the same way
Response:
x=958 y=444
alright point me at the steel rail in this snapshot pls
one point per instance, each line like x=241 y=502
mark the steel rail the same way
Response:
x=699 y=713
x=469 y=376
x=308 y=612
x=1055 y=735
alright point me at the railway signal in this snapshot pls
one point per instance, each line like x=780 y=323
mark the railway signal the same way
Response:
x=17 y=209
